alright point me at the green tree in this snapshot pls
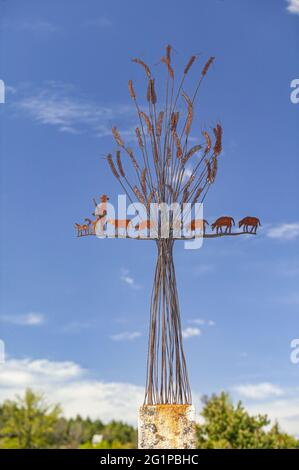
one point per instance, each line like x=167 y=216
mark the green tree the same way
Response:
x=28 y=422
x=81 y=430
x=231 y=427
x=119 y=431
x=116 y=435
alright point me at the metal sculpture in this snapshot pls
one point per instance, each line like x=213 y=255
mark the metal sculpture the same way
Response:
x=221 y=222
x=252 y=222
x=167 y=170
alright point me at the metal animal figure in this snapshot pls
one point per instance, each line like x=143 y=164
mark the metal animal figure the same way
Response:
x=91 y=225
x=224 y=221
x=101 y=208
x=252 y=222
x=78 y=228
x=100 y=213
x=197 y=224
x=145 y=224
x=119 y=223
x=81 y=229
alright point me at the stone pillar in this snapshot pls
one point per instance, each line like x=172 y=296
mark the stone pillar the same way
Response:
x=166 y=427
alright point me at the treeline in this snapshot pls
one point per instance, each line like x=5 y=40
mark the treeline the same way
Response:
x=29 y=422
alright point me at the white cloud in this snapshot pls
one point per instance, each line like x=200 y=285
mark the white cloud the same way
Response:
x=126 y=336
x=26 y=319
x=67 y=383
x=202 y=321
x=290 y=299
x=39 y=26
x=70 y=385
x=75 y=327
x=128 y=279
x=198 y=321
x=31 y=25
x=293 y=6
x=60 y=105
x=202 y=269
x=11 y=89
x=284 y=231
x=259 y=391
x=16 y=372
x=285 y=411
x=191 y=332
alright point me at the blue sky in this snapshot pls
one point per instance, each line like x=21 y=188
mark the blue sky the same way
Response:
x=75 y=312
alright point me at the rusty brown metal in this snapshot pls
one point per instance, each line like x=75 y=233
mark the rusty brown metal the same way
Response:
x=158 y=173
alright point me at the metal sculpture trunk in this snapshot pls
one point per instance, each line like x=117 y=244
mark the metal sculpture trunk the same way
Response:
x=167 y=377
x=163 y=168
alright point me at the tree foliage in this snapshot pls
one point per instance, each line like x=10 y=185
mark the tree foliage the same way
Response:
x=30 y=423
x=231 y=427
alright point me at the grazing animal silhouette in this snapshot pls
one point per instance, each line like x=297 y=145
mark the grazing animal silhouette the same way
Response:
x=119 y=223
x=82 y=229
x=78 y=227
x=198 y=224
x=91 y=226
x=252 y=222
x=224 y=221
x=145 y=224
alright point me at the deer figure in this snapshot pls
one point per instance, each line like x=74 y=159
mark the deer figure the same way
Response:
x=225 y=221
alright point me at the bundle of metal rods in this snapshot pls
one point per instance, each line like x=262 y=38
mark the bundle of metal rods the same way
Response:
x=167 y=376
x=164 y=168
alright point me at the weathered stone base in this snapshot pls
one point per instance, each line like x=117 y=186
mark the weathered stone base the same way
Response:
x=166 y=427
